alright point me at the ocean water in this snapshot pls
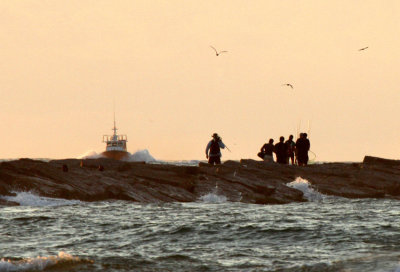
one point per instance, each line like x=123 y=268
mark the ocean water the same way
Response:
x=323 y=234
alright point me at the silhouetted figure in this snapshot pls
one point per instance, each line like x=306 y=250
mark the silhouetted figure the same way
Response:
x=101 y=168
x=291 y=147
x=302 y=147
x=281 y=151
x=65 y=168
x=213 y=149
x=218 y=53
x=266 y=151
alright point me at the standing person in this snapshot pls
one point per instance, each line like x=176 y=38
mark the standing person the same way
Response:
x=281 y=151
x=266 y=151
x=307 y=147
x=296 y=152
x=213 y=149
x=291 y=147
x=302 y=147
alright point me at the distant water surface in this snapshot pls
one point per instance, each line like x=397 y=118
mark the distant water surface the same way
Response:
x=324 y=234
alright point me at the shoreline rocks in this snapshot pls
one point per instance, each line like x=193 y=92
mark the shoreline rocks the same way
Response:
x=247 y=181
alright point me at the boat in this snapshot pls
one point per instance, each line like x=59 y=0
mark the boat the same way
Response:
x=115 y=145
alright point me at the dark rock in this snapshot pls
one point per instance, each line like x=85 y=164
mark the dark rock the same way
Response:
x=247 y=181
x=380 y=161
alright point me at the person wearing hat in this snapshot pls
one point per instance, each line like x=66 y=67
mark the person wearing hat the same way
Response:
x=213 y=149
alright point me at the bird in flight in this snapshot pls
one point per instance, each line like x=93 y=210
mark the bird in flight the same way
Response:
x=362 y=49
x=289 y=85
x=217 y=53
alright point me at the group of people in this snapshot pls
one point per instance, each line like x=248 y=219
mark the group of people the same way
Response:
x=285 y=152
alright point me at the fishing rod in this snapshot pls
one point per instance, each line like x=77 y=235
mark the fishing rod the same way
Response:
x=220 y=139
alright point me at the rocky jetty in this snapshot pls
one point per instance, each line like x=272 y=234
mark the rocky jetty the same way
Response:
x=247 y=181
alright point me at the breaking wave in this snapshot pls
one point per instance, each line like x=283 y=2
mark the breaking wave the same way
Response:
x=140 y=155
x=31 y=199
x=213 y=197
x=40 y=263
x=303 y=185
x=90 y=155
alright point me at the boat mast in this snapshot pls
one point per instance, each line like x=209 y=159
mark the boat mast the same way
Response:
x=115 y=127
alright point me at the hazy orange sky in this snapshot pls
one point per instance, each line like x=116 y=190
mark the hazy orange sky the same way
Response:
x=64 y=63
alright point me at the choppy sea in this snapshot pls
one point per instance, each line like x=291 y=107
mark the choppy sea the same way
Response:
x=323 y=234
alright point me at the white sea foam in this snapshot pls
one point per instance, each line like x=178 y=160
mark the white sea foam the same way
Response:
x=180 y=163
x=31 y=199
x=303 y=185
x=90 y=155
x=38 y=263
x=213 y=197
x=141 y=155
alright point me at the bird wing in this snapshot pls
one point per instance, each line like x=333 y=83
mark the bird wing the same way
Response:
x=214 y=49
x=287 y=84
x=362 y=48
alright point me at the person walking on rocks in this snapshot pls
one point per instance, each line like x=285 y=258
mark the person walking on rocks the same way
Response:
x=213 y=149
x=266 y=151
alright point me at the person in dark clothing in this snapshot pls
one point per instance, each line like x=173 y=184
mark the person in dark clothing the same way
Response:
x=302 y=147
x=213 y=149
x=291 y=147
x=296 y=152
x=281 y=151
x=266 y=151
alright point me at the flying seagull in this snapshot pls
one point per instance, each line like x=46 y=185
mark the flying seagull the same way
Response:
x=216 y=52
x=289 y=85
x=362 y=49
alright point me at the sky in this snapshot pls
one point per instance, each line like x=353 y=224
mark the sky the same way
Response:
x=66 y=65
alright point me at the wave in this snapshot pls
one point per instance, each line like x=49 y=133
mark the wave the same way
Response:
x=31 y=199
x=90 y=155
x=214 y=197
x=140 y=155
x=309 y=193
x=180 y=163
x=40 y=263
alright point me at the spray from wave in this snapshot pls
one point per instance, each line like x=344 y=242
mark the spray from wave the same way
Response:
x=90 y=155
x=31 y=199
x=140 y=155
x=303 y=185
x=40 y=263
x=213 y=197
